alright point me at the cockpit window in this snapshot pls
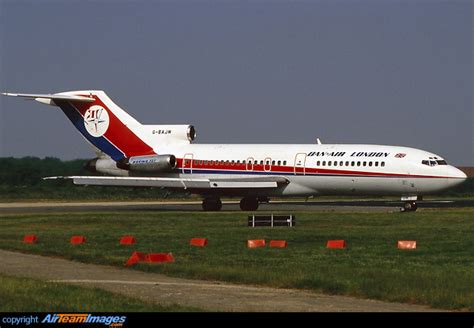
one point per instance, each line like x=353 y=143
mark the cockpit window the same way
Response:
x=433 y=162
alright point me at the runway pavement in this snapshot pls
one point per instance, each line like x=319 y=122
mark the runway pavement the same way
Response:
x=342 y=205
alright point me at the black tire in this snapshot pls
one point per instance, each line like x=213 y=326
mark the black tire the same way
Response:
x=211 y=204
x=249 y=204
x=410 y=207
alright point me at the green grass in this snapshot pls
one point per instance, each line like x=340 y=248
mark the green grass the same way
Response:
x=440 y=273
x=30 y=295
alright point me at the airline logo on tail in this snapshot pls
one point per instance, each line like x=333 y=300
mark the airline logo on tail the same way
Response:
x=96 y=121
x=106 y=125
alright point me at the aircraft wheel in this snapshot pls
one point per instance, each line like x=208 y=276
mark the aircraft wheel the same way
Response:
x=410 y=207
x=249 y=204
x=211 y=204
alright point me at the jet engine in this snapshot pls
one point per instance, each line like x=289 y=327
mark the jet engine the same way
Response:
x=155 y=163
x=169 y=134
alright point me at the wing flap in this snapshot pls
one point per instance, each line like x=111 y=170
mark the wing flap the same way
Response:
x=137 y=182
x=234 y=183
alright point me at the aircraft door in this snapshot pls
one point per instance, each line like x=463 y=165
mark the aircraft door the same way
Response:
x=249 y=164
x=267 y=164
x=300 y=164
x=188 y=163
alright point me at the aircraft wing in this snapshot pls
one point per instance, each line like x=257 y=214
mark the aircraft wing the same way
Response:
x=218 y=183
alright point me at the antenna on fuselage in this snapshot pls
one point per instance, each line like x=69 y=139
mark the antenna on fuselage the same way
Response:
x=318 y=141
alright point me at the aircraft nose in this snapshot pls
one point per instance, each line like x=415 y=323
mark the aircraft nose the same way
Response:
x=456 y=174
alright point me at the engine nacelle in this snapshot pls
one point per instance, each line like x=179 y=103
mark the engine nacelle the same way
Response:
x=167 y=134
x=155 y=163
x=105 y=165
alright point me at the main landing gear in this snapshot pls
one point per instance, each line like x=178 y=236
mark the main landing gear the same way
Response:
x=246 y=204
x=211 y=204
x=249 y=204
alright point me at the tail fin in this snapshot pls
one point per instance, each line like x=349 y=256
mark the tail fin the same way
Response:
x=102 y=122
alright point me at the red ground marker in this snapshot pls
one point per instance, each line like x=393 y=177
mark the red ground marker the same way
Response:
x=278 y=244
x=256 y=243
x=159 y=258
x=127 y=240
x=135 y=258
x=336 y=244
x=198 y=242
x=406 y=244
x=76 y=240
x=30 y=239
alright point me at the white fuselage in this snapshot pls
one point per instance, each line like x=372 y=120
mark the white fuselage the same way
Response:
x=316 y=169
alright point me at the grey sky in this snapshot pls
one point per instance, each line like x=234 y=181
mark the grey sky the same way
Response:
x=384 y=72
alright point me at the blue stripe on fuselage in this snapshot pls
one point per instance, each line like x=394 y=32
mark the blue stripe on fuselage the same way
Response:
x=101 y=142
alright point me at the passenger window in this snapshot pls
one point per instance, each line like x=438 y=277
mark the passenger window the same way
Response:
x=261 y=162
x=358 y=163
x=364 y=164
x=329 y=163
x=284 y=162
x=382 y=164
x=376 y=163
x=370 y=163
x=347 y=163
x=341 y=163
x=279 y=162
x=255 y=162
x=335 y=163
x=353 y=163
x=324 y=163
x=273 y=162
x=318 y=163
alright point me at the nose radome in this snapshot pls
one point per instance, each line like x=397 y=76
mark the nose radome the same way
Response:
x=454 y=172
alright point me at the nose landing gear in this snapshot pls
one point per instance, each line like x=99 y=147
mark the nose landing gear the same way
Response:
x=409 y=207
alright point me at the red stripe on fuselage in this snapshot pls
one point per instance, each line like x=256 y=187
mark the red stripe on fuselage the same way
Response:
x=118 y=133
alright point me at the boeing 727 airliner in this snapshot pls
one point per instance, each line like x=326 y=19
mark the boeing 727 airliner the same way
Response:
x=164 y=156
